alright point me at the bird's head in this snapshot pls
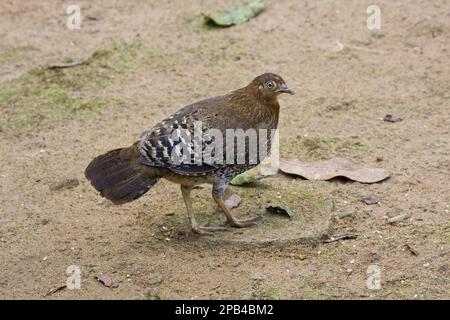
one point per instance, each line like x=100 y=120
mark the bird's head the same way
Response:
x=269 y=86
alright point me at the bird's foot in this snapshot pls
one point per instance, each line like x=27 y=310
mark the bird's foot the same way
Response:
x=208 y=230
x=244 y=223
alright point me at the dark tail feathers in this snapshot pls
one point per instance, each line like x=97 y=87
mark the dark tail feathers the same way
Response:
x=119 y=175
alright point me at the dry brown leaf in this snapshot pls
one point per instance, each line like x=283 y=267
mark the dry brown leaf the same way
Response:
x=106 y=280
x=369 y=200
x=232 y=200
x=391 y=118
x=280 y=211
x=332 y=168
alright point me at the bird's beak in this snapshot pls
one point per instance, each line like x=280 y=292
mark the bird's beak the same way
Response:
x=286 y=89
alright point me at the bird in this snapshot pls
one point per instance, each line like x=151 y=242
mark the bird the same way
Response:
x=167 y=151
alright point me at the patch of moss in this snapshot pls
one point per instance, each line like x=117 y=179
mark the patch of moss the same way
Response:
x=446 y=232
x=314 y=294
x=299 y=197
x=15 y=53
x=259 y=293
x=219 y=48
x=440 y=231
x=25 y=105
x=346 y=53
x=43 y=94
x=321 y=147
x=302 y=198
x=152 y=297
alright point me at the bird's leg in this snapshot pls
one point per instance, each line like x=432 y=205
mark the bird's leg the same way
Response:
x=228 y=192
x=186 y=192
x=218 y=195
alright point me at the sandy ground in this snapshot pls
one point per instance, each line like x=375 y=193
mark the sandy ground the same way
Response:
x=342 y=96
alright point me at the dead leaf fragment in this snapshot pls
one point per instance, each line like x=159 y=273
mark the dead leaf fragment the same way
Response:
x=391 y=118
x=280 y=211
x=370 y=200
x=332 y=168
x=106 y=280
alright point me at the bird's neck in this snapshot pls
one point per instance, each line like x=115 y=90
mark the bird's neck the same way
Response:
x=255 y=109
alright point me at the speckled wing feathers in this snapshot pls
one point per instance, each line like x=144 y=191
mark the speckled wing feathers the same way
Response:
x=158 y=144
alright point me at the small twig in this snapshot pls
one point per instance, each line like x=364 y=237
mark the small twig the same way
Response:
x=91 y=18
x=341 y=237
x=411 y=250
x=55 y=289
x=67 y=65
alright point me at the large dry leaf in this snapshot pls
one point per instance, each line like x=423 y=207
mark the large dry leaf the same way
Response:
x=329 y=169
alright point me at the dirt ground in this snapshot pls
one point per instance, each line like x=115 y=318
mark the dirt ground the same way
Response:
x=149 y=58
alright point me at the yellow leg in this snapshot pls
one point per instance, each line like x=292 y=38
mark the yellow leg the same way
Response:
x=230 y=217
x=186 y=192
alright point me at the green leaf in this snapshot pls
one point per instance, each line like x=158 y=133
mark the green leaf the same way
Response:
x=243 y=179
x=235 y=15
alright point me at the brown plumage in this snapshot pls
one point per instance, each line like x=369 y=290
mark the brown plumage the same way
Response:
x=123 y=175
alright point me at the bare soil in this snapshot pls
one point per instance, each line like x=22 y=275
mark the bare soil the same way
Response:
x=149 y=58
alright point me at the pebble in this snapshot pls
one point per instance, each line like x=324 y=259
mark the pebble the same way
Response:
x=156 y=280
x=150 y=292
x=344 y=214
x=258 y=276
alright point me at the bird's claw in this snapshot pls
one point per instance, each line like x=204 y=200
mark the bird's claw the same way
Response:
x=207 y=230
x=244 y=223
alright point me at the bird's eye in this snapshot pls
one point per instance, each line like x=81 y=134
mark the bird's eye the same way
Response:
x=271 y=85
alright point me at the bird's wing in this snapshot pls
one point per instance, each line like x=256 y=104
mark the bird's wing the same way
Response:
x=161 y=146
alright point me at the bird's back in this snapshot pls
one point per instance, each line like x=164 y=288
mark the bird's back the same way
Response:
x=235 y=112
